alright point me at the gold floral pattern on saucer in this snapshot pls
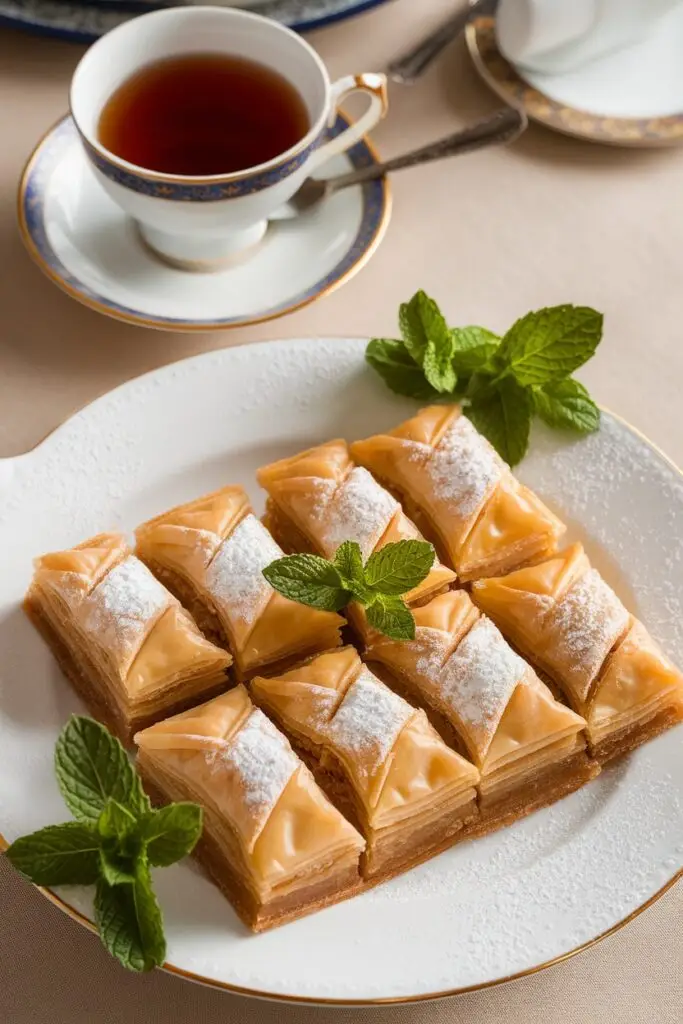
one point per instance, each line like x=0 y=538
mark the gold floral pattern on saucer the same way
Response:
x=506 y=81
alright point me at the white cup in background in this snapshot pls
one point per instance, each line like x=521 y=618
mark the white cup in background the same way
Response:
x=201 y=222
x=555 y=36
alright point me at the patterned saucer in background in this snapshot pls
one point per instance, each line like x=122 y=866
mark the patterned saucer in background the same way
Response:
x=83 y=22
x=88 y=247
x=506 y=81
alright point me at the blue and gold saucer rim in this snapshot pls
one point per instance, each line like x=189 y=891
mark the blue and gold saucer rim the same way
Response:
x=506 y=81
x=30 y=202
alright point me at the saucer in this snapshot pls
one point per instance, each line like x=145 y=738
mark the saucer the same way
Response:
x=83 y=21
x=91 y=249
x=633 y=97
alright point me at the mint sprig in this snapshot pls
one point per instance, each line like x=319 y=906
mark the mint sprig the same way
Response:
x=377 y=586
x=502 y=382
x=111 y=845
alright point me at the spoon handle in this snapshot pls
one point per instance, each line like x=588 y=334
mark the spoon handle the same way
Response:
x=410 y=65
x=503 y=126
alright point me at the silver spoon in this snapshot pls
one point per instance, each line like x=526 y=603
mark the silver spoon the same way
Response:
x=407 y=68
x=503 y=126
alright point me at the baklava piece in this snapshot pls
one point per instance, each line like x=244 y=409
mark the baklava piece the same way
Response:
x=489 y=704
x=129 y=649
x=460 y=493
x=211 y=553
x=377 y=757
x=272 y=841
x=564 y=617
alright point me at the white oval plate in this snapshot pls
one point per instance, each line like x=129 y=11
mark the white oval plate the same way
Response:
x=481 y=913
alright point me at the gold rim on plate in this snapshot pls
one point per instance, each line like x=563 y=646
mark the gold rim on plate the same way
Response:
x=239 y=990
x=506 y=82
x=366 y=250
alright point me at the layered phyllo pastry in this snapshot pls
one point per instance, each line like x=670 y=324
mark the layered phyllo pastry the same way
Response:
x=460 y=493
x=489 y=704
x=128 y=647
x=211 y=553
x=377 y=757
x=571 y=624
x=319 y=499
x=272 y=841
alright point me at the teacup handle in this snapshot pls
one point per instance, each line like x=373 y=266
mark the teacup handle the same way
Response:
x=375 y=86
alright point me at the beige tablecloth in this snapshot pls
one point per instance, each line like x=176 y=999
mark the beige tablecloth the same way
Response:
x=490 y=235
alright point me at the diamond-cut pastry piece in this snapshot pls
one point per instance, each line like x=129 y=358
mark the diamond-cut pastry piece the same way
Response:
x=376 y=756
x=212 y=553
x=128 y=647
x=272 y=841
x=319 y=498
x=460 y=493
x=569 y=622
x=489 y=703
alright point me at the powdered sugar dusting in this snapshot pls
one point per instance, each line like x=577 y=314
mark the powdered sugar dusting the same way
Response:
x=360 y=510
x=369 y=720
x=480 y=677
x=262 y=759
x=431 y=647
x=235 y=577
x=585 y=625
x=463 y=468
x=121 y=608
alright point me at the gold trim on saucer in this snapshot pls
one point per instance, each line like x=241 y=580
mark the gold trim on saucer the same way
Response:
x=239 y=990
x=161 y=324
x=507 y=83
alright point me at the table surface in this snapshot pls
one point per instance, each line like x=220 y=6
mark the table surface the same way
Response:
x=491 y=236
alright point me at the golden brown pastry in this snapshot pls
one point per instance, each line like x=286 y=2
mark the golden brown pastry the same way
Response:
x=460 y=493
x=490 y=704
x=272 y=841
x=566 y=619
x=376 y=756
x=318 y=499
x=129 y=648
x=211 y=553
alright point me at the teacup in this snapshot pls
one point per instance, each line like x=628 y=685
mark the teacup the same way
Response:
x=556 y=36
x=201 y=223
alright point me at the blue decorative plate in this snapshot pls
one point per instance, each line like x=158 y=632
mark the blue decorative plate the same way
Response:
x=84 y=22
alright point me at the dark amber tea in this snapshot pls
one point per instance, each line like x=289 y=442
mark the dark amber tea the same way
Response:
x=203 y=114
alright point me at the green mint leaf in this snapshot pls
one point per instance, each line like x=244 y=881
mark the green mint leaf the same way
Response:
x=120 y=843
x=391 y=616
x=399 y=371
x=504 y=418
x=116 y=870
x=58 y=855
x=437 y=366
x=549 y=344
x=422 y=323
x=348 y=560
x=482 y=385
x=308 y=579
x=565 y=404
x=172 y=832
x=130 y=923
x=115 y=821
x=473 y=347
x=399 y=567
x=91 y=767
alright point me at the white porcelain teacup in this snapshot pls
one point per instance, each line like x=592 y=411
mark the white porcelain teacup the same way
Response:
x=202 y=222
x=560 y=35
